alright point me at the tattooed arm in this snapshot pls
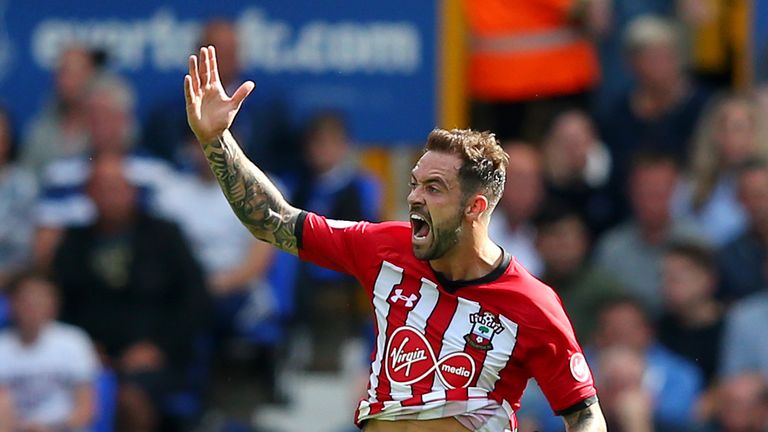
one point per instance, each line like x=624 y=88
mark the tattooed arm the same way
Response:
x=254 y=199
x=590 y=419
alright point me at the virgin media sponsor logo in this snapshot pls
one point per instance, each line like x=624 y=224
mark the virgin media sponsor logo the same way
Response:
x=410 y=359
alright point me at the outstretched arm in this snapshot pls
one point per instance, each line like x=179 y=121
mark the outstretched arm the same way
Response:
x=210 y=112
x=590 y=419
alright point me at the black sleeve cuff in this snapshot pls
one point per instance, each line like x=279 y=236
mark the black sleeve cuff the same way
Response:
x=578 y=406
x=298 y=230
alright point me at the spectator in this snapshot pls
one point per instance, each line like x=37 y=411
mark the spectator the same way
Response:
x=17 y=197
x=577 y=167
x=615 y=77
x=628 y=404
x=247 y=307
x=47 y=369
x=672 y=383
x=59 y=130
x=512 y=225
x=660 y=111
x=333 y=185
x=112 y=130
x=528 y=61
x=633 y=251
x=692 y=322
x=728 y=135
x=563 y=243
x=132 y=283
x=745 y=341
x=742 y=404
x=262 y=127
x=742 y=261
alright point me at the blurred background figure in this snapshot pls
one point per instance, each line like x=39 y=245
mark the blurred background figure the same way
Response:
x=628 y=402
x=633 y=250
x=512 y=224
x=577 y=168
x=659 y=112
x=742 y=261
x=48 y=370
x=742 y=404
x=60 y=130
x=251 y=308
x=132 y=282
x=728 y=134
x=263 y=127
x=670 y=383
x=112 y=131
x=530 y=60
x=745 y=343
x=330 y=182
x=562 y=240
x=691 y=324
x=18 y=192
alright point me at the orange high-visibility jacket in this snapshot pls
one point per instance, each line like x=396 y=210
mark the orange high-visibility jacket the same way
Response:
x=525 y=49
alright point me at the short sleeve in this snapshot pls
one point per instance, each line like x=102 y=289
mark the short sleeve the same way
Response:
x=738 y=348
x=329 y=243
x=556 y=361
x=85 y=364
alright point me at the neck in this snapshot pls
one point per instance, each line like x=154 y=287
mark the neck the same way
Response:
x=701 y=314
x=653 y=99
x=30 y=335
x=473 y=259
x=653 y=233
x=115 y=226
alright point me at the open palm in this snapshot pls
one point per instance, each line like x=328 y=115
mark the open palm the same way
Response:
x=209 y=110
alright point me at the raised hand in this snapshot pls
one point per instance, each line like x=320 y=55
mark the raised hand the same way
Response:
x=209 y=110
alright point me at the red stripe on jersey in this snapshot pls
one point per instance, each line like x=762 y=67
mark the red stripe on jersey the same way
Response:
x=478 y=356
x=437 y=325
x=459 y=394
x=414 y=401
x=510 y=376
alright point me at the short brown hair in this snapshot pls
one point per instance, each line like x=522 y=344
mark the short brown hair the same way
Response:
x=484 y=162
x=20 y=278
x=700 y=254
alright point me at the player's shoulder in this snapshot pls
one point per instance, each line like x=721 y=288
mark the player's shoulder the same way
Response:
x=526 y=292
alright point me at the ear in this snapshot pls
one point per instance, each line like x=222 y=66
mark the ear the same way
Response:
x=478 y=204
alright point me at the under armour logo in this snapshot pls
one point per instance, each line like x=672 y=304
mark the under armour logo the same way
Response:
x=409 y=301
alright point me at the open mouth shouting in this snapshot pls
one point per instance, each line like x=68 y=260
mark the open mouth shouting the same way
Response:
x=421 y=229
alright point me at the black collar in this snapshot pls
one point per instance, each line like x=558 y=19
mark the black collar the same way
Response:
x=453 y=285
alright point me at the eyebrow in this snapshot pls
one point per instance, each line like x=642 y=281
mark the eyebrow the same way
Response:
x=431 y=180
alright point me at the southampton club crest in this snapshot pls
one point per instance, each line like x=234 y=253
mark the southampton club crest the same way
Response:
x=485 y=325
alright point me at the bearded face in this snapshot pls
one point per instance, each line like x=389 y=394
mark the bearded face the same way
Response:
x=436 y=205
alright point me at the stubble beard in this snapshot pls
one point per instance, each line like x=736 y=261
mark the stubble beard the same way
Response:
x=444 y=238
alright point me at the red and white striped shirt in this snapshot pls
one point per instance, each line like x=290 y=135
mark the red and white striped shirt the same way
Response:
x=462 y=349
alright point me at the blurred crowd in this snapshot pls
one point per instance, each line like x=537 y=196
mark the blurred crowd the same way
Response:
x=637 y=188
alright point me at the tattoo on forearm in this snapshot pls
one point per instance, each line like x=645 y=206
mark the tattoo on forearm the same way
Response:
x=589 y=419
x=255 y=200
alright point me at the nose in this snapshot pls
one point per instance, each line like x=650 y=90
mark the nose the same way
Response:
x=415 y=197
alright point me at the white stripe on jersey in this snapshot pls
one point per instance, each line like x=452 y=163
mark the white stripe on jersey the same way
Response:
x=417 y=318
x=389 y=276
x=453 y=339
x=497 y=358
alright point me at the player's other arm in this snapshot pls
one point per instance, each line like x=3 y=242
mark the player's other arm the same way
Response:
x=254 y=199
x=589 y=419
